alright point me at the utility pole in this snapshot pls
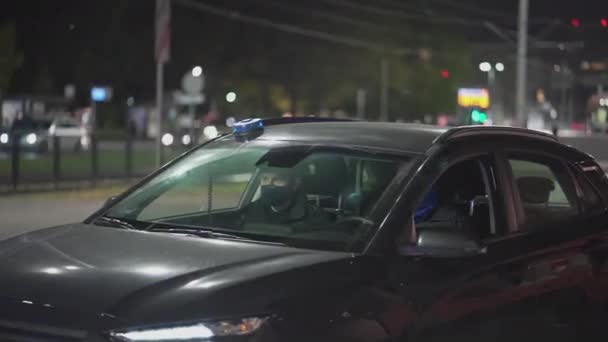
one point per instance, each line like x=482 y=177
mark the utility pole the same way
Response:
x=360 y=100
x=384 y=89
x=522 y=50
x=162 y=48
x=565 y=73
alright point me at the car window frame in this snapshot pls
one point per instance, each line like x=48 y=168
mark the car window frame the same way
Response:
x=397 y=221
x=489 y=175
x=515 y=197
x=580 y=174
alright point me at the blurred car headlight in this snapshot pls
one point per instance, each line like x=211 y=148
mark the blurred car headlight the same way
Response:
x=186 y=139
x=3 y=138
x=167 y=139
x=199 y=331
x=31 y=138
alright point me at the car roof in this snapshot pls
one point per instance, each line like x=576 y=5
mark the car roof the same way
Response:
x=381 y=135
x=403 y=137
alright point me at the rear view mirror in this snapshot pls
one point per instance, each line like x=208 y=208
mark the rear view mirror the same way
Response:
x=442 y=243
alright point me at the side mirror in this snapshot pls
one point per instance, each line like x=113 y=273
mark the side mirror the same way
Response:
x=443 y=243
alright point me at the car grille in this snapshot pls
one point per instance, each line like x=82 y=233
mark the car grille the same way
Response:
x=18 y=332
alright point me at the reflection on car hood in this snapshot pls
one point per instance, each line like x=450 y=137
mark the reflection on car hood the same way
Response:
x=89 y=269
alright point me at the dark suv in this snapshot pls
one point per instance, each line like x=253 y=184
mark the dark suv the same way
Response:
x=323 y=230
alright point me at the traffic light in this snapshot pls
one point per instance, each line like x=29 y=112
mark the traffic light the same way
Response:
x=575 y=22
x=445 y=73
x=604 y=22
x=478 y=116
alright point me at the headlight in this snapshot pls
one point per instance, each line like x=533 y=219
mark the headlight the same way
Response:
x=200 y=331
x=31 y=138
x=3 y=138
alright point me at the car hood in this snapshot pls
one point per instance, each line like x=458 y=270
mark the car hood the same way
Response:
x=142 y=277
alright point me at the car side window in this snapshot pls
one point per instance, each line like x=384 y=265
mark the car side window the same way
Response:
x=460 y=200
x=546 y=190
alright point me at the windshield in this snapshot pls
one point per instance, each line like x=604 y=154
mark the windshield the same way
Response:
x=280 y=192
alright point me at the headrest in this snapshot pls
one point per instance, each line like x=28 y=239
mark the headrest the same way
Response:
x=535 y=190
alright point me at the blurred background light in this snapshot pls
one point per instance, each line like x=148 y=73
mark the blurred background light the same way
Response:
x=485 y=66
x=230 y=97
x=167 y=139
x=197 y=71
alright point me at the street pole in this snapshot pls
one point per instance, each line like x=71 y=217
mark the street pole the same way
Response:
x=159 y=113
x=360 y=99
x=564 y=93
x=522 y=50
x=384 y=89
x=491 y=78
x=193 y=138
x=162 y=51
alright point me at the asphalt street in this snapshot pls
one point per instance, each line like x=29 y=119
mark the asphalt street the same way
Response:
x=27 y=212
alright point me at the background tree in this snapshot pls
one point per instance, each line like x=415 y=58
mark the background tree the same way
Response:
x=10 y=57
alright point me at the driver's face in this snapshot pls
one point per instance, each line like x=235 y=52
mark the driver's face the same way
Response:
x=270 y=178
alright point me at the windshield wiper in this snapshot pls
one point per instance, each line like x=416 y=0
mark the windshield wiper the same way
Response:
x=207 y=233
x=113 y=222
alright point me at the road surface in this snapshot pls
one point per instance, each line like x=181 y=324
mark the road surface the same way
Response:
x=21 y=213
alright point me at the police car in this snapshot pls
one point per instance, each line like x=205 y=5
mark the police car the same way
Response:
x=307 y=229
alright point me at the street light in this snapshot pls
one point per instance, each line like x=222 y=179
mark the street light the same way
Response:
x=491 y=71
x=197 y=71
x=230 y=97
x=485 y=66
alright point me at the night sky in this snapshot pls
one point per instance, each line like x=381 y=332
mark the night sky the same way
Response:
x=55 y=35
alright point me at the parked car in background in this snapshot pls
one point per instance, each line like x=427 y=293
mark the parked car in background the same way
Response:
x=32 y=136
x=72 y=134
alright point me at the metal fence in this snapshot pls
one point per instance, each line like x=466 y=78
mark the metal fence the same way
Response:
x=58 y=162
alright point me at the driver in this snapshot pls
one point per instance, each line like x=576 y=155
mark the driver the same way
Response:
x=282 y=201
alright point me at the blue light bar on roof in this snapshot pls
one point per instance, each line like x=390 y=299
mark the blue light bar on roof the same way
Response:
x=247 y=126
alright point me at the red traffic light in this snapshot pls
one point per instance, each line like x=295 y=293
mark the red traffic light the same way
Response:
x=445 y=73
x=575 y=22
x=604 y=22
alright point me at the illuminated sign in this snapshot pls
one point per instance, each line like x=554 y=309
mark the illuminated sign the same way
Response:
x=101 y=94
x=473 y=97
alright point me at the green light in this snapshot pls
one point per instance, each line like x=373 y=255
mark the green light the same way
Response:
x=475 y=115
x=478 y=116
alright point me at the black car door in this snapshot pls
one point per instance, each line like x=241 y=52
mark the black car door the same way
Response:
x=566 y=234
x=593 y=189
x=460 y=291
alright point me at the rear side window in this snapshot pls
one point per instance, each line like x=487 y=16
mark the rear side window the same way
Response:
x=546 y=191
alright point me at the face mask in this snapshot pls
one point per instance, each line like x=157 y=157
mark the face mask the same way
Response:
x=276 y=195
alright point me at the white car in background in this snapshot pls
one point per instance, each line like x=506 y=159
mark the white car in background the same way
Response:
x=72 y=134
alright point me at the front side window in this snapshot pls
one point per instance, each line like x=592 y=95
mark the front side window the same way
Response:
x=459 y=201
x=546 y=191
x=294 y=194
